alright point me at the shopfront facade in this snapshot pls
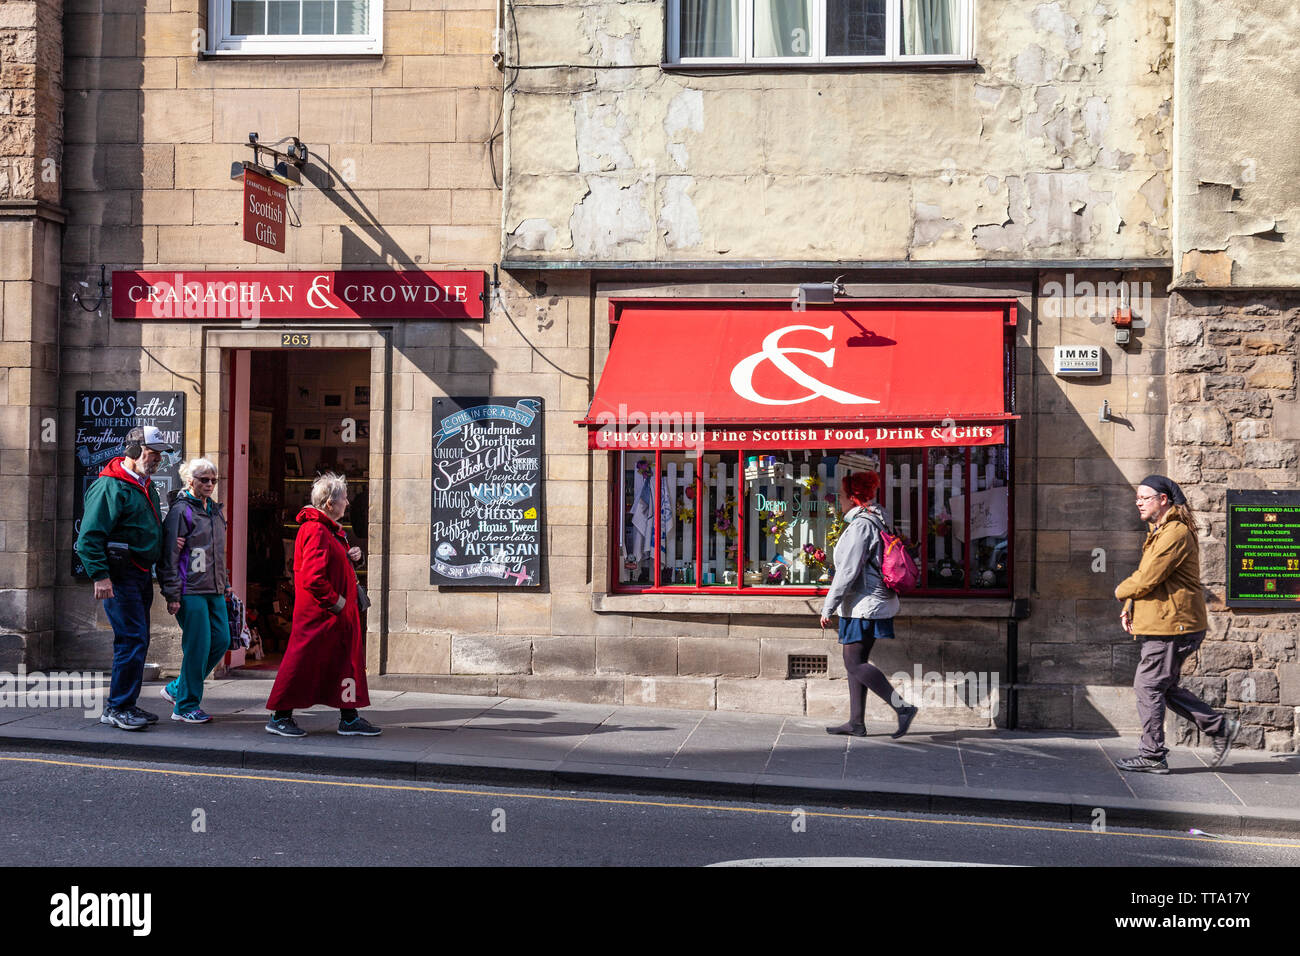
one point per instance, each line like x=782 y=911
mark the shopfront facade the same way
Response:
x=988 y=202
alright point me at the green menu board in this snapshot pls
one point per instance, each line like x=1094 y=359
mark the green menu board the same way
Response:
x=1263 y=549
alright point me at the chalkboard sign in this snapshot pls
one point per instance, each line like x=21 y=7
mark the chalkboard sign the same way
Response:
x=486 y=516
x=1263 y=549
x=102 y=421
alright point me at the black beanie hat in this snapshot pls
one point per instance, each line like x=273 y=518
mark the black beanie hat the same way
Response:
x=1165 y=486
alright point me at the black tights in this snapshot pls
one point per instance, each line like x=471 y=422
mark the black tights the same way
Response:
x=863 y=675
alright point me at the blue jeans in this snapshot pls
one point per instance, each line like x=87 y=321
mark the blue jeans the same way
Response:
x=128 y=611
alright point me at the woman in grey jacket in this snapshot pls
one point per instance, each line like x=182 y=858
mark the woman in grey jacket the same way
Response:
x=866 y=607
x=192 y=575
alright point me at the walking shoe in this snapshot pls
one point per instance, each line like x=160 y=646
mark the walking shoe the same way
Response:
x=122 y=719
x=905 y=717
x=141 y=712
x=166 y=696
x=285 y=727
x=850 y=729
x=1223 y=742
x=358 y=727
x=1142 y=764
x=195 y=716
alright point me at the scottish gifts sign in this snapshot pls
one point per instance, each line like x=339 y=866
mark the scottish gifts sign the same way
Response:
x=486 y=516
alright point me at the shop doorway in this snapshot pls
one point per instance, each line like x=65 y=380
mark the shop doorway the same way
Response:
x=293 y=414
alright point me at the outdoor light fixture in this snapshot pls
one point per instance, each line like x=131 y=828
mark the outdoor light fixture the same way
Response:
x=818 y=293
x=1104 y=414
x=288 y=165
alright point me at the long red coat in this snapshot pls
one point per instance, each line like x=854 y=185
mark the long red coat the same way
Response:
x=325 y=662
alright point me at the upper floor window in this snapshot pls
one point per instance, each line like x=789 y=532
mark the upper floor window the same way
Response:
x=795 y=32
x=296 y=26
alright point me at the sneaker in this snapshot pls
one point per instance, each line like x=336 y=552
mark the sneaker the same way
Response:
x=358 y=727
x=195 y=716
x=141 y=712
x=122 y=719
x=850 y=730
x=162 y=691
x=285 y=727
x=1223 y=742
x=905 y=717
x=1140 y=764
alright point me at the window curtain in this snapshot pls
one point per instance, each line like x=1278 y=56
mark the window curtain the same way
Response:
x=929 y=27
x=353 y=17
x=708 y=28
x=782 y=28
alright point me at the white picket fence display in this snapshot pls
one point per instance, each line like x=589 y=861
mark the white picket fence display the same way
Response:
x=807 y=511
x=679 y=545
x=782 y=483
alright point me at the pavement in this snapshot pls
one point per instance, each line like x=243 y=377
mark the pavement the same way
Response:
x=504 y=742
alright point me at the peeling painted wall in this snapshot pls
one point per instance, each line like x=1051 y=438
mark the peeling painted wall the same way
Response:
x=1057 y=146
x=1238 y=144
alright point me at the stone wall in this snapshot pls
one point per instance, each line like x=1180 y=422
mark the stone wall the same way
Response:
x=31 y=132
x=1234 y=422
x=1056 y=146
x=400 y=175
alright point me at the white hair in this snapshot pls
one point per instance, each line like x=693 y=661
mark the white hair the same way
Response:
x=327 y=488
x=194 y=466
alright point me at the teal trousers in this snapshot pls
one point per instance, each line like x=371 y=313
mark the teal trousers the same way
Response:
x=205 y=637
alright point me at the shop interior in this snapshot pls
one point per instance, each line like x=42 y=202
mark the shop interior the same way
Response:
x=309 y=413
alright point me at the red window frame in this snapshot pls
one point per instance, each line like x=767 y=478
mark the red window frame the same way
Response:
x=616 y=516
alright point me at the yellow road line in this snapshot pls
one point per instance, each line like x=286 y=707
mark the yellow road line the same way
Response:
x=637 y=803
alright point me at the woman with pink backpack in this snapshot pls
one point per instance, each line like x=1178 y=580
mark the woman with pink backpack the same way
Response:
x=865 y=604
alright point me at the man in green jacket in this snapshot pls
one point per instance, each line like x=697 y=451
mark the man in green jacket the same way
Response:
x=120 y=541
x=1164 y=608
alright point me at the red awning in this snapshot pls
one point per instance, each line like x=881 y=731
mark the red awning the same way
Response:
x=872 y=375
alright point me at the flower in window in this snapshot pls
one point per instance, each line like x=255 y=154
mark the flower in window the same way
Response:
x=941 y=524
x=837 y=526
x=724 y=518
x=810 y=483
x=814 y=558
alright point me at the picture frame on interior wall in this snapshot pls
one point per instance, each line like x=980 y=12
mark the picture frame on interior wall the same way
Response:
x=268 y=28
x=360 y=395
x=293 y=461
x=332 y=401
x=303 y=393
x=290 y=433
x=313 y=434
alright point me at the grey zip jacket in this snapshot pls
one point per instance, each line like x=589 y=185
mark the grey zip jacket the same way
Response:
x=201 y=567
x=858 y=588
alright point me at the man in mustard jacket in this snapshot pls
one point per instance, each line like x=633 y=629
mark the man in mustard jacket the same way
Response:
x=1164 y=608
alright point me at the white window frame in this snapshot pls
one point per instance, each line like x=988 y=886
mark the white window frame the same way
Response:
x=818 y=57
x=221 y=42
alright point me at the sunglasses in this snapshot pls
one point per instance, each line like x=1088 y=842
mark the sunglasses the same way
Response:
x=207 y=481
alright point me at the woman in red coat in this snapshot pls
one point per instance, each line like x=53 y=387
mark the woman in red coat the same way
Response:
x=325 y=662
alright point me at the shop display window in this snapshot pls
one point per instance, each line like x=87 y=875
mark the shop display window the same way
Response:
x=767 y=521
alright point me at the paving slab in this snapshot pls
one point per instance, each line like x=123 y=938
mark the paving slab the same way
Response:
x=466 y=741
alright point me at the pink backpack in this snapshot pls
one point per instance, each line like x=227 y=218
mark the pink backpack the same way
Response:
x=899 y=571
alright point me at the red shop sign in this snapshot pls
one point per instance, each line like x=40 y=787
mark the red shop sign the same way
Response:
x=321 y=295
x=264 y=205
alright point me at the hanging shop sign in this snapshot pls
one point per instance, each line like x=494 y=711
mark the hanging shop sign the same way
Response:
x=486 y=519
x=102 y=421
x=313 y=296
x=265 y=202
x=1263 y=549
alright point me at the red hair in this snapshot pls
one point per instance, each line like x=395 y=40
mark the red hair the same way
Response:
x=861 y=486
